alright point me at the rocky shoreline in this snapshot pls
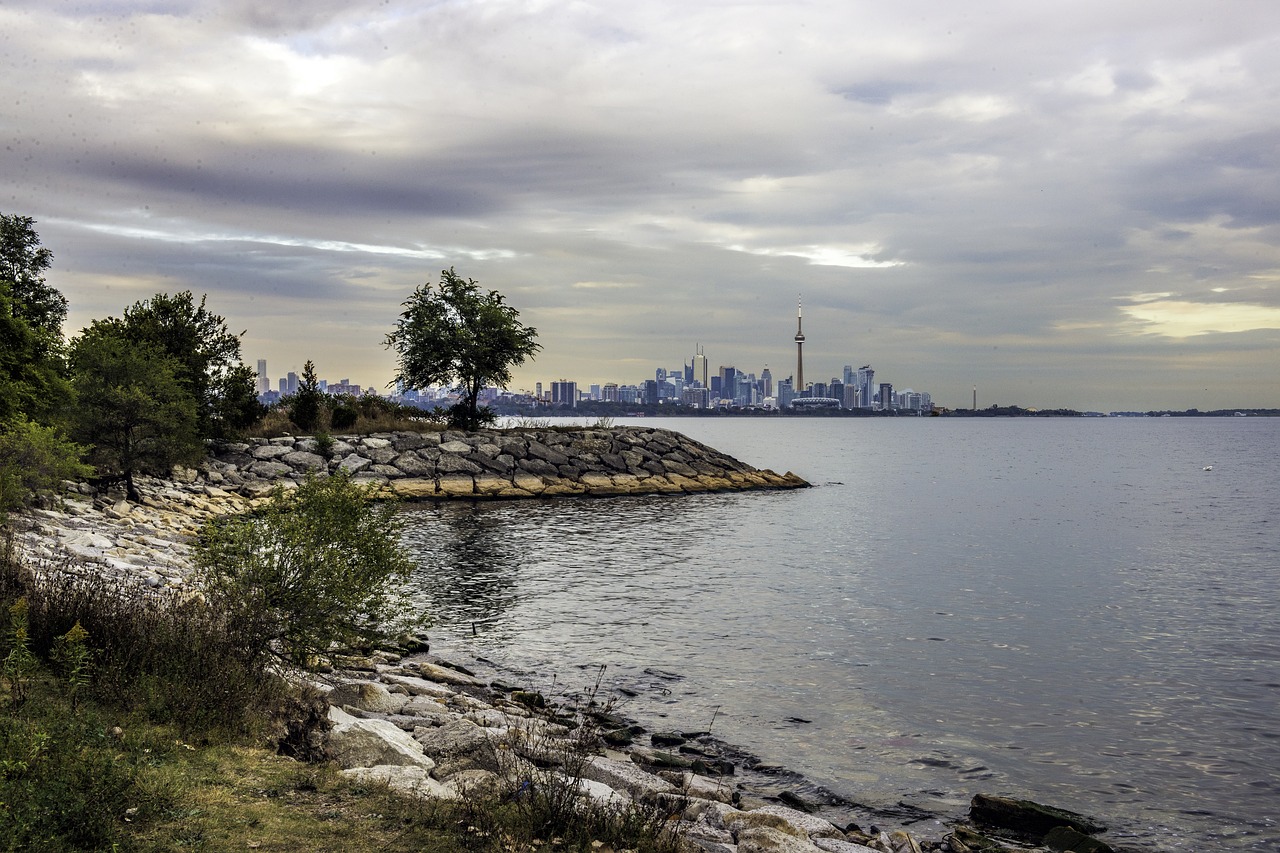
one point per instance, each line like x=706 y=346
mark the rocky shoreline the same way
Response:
x=435 y=730
x=496 y=464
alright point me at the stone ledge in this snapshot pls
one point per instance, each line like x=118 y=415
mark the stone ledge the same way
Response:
x=495 y=464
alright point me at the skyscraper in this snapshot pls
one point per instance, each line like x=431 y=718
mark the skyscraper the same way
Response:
x=264 y=384
x=766 y=382
x=799 y=386
x=700 y=366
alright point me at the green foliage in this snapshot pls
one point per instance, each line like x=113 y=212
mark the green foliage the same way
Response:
x=453 y=333
x=23 y=262
x=316 y=567
x=34 y=460
x=304 y=409
x=207 y=363
x=131 y=407
x=343 y=416
x=74 y=659
x=19 y=664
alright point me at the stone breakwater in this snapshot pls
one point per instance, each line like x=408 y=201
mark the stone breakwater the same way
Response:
x=148 y=541
x=496 y=464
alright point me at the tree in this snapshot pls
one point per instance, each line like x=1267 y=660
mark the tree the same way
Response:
x=453 y=333
x=31 y=315
x=206 y=357
x=131 y=407
x=305 y=408
x=315 y=567
x=22 y=264
x=34 y=460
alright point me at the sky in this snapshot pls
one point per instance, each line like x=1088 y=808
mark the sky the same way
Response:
x=1064 y=204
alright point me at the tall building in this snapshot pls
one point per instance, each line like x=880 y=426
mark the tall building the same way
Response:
x=564 y=393
x=866 y=387
x=799 y=384
x=849 y=374
x=766 y=382
x=887 y=403
x=292 y=383
x=700 y=367
x=264 y=383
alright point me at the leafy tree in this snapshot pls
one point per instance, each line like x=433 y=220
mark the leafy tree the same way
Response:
x=305 y=407
x=453 y=333
x=34 y=460
x=206 y=356
x=317 y=566
x=31 y=367
x=31 y=315
x=131 y=406
x=22 y=264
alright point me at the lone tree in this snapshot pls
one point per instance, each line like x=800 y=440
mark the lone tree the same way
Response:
x=455 y=334
x=131 y=407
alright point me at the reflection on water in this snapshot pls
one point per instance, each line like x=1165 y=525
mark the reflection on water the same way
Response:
x=1072 y=611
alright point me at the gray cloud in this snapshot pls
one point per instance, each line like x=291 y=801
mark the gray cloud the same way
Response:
x=1072 y=205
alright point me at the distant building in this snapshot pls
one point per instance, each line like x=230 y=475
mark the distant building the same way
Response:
x=564 y=393
x=886 y=397
x=264 y=382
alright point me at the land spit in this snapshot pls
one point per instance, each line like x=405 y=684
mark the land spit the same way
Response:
x=425 y=727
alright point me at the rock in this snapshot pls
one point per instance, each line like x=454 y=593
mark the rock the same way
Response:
x=703 y=788
x=456 y=465
x=414 y=781
x=355 y=742
x=835 y=845
x=901 y=842
x=455 y=446
x=419 y=686
x=624 y=776
x=1068 y=840
x=789 y=820
x=456 y=738
x=305 y=461
x=1026 y=818
x=368 y=696
x=765 y=839
x=354 y=464
x=412 y=465
x=601 y=793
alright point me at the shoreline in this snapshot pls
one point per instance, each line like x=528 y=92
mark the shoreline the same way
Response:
x=147 y=545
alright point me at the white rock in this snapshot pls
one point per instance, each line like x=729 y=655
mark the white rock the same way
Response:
x=435 y=672
x=414 y=781
x=624 y=776
x=802 y=823
x=368 y=696
x=419 y=686
x=765 y=839
x=367 y=743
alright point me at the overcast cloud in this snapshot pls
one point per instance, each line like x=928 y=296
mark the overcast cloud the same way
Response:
x=1070 y=204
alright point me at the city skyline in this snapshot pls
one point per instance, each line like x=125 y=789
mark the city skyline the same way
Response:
x=1072 y=205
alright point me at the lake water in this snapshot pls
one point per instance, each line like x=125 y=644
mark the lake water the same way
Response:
x=1069 y=610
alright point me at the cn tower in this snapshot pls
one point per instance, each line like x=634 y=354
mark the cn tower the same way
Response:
x=799 y=388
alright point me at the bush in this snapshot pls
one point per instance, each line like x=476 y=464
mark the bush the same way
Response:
x=34 y=460
x=316 y=567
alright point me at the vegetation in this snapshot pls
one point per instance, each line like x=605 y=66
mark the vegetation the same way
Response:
x=131 y=408
x=346 y=414
x=304 y=409
x=34 y=460
x=453 y=333
x=316 y=567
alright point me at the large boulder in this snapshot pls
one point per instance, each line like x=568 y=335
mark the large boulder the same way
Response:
x=624 y=776
x=368 y=696
x=414 y=781
x=356 y=742
x=1025 y=818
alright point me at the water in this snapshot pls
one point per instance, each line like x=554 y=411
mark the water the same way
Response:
x=1067 y=610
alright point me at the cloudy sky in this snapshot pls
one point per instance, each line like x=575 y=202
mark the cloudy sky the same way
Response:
x=1070 y=203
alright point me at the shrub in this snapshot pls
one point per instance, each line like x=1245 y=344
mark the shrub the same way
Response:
x=316 y=567
x=34 y=460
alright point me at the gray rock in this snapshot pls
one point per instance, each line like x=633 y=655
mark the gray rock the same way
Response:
x=306 y=461
x=455 y=465
x=355 y=742
x=368 y=696
x=413 y=466
x=271 y=451
x=370 y=443
x=270 y=470
x=354 y=464
x=455 y=446
x=624 y=776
